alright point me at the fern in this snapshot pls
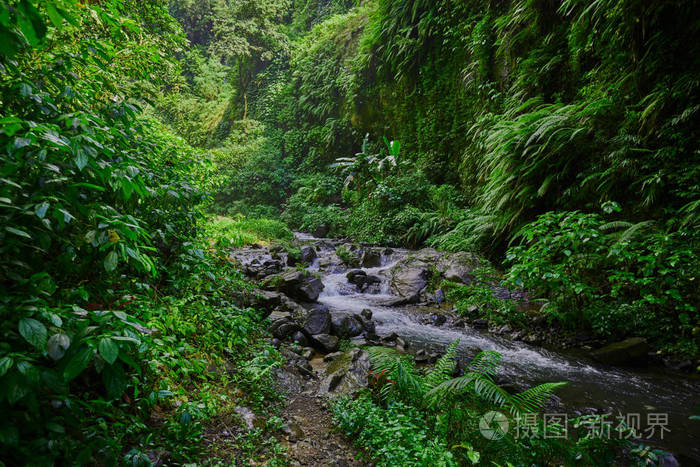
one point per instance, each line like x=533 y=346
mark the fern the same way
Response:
x=436 y=389
x=402 y=379
x=443 y=368
x=531 y=400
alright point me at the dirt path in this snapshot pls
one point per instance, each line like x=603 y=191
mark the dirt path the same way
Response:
x=312 y=438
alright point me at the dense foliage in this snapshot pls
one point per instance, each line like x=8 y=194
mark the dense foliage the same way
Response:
x=143 y=138
x=119 y=335
x=480 y=117
x=428 y=418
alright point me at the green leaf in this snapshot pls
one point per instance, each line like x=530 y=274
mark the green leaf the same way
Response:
x=16 y=387
x=5 y=365
x=115 y=380
x=111 y=261
x=22 y=142
x=40 y=209
x=81 y=159
x=55 y=427
x=18 y=232
x=109 y=350
x=34 y=332
x=54 y=15
x=90 y=185
x=67 y=217
x=78 y=363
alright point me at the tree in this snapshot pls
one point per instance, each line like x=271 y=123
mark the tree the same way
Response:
x=247 y=36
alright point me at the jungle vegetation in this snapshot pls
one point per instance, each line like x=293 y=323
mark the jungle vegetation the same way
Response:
x=559 y=139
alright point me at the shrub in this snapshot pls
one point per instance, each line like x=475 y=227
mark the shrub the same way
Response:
x=395 y=435
x=614 y=277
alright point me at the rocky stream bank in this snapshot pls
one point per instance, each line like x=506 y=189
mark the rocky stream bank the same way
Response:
x=330 y=298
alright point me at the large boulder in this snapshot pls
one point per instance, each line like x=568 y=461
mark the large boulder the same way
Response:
x=261 y=268
x=411 y=275
x=460 y=267
x=325 y=342
x=346 y=326
x=297 y=284
x=346 y=374
x=410 y=281
x=282 y=326
x=318 y=321
x=362 y=280
x=265 y=300
x=631 y=350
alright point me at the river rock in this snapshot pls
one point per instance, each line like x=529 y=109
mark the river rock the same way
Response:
x=624 y=352
x=300 y=339
x=325 y=342
x=410 y=280
x=366 y=314
x=307 y=353
x=297 y=284
x=260 y=268
x=370 y=328
x=308 y=254
x=346 y=374
x=461 y=266
x=532 y=339
x=436 y=319
x=439 y=296
x=318 y=320
x=332 y=356
x=346 y=326
x=481 y=323
x=371 y=258
x=505 y=329
x=283 y=326
x=421 y=356
x=265 y=301
x=355 y=276
x=321 y=231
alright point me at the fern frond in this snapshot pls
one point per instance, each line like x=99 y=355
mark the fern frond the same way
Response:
x=531 y=400
x=479 y=385
x=485 y=363
x=407 y=383
x=616 y=225
x=402 y=379
x=383 y=358
x=443 y=368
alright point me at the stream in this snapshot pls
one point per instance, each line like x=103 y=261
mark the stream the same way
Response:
x=591 y=386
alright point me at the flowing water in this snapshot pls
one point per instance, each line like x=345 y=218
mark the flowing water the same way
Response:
x=625 y=392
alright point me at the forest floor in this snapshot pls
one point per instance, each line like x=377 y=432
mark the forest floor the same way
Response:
x=314 y=440
x=306 y=436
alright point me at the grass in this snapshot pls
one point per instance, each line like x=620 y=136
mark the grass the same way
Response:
x=226 y=232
